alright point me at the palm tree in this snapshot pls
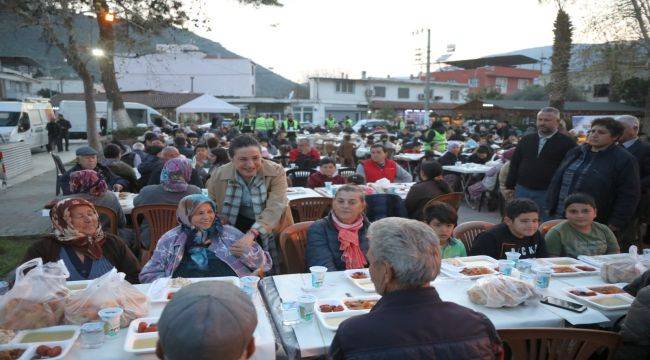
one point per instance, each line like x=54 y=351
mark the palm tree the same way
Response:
x=561 y=58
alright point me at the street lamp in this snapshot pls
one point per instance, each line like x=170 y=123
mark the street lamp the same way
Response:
x=109 y=17
x=97 y=52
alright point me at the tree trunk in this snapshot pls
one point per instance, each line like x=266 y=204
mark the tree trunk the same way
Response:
x=107 y=67
x=639 y=8
x=91 y=115
x=560 y=60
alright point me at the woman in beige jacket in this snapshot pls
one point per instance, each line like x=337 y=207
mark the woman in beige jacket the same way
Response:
x=251 y=195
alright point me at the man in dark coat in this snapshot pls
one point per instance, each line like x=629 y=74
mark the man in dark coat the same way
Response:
x=64 y=134
x=641 y=151
x=536 y=158
x=410 y=321
x=53 y=133
x=87 y=160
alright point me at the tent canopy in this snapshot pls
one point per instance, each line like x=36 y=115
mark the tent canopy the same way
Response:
x=207 y=104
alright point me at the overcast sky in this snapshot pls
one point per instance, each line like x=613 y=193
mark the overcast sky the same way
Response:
x=332 y=36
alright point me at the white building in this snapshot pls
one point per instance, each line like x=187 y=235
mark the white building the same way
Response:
x=64 y=86
x=183 y=68
x=16 y=77
x=355 y=97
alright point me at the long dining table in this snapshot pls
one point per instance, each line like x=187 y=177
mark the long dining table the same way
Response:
x=311 y=339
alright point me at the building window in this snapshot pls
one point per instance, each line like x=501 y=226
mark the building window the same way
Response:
x=522 y=83
x=501 y=85
x=345 y=86
x=601 y=90
x=472 y=82
x=454 y=95
x=403 y=93
x=380 y=91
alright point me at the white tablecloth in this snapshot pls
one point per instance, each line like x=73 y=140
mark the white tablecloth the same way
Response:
x=468 y=168
x=114 y=349
x=314 y=340
x=301 y=193
x=127 y=202
x=408 y=157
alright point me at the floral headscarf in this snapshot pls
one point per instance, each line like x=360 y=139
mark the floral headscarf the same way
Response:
x=176 y=174
x=197 y=240
x=66 y=234
x=88 y=182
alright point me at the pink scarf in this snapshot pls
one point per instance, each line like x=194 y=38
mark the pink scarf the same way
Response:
x=349 y=239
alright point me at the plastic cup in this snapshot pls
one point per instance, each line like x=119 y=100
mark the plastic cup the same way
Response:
x=458 y=163
x=306 y=307
x=317 y=276
x=92 y=335
x=513 y=256
x=290 y=313
x=111 y=318
x=328 y=185
x=249 y=285
x=505 y=267
x=543 y=277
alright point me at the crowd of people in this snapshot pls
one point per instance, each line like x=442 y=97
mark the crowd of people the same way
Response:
x=600 y=187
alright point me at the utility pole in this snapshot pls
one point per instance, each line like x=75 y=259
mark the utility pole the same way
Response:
x=427 y=83
x=191 y=84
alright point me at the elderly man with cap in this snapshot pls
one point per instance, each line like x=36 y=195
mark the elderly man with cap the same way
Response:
x=404 y=258
x=207 y=320
x=87 y=160
x=641 y=151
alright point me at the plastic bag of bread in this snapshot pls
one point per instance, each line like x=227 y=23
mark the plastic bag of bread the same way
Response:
x=109 y=290
x=36 y=299
x=499 y=291
x=624 y=270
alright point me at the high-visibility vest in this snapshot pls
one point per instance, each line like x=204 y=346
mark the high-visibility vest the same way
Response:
x=260 y=124
x=246 y=125
x=294 y=127
x=348 y=122
x=330 y=123
x=439 y=142
x=270 y=123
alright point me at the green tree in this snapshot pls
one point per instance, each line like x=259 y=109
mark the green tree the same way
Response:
x=484 y=94
x=634 y=91
x=532 y=92
x=561 y=58
x=386 y=112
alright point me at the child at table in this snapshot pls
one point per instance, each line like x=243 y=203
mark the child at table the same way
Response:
x=519 y=231
x=580 y=234
x=442 y=218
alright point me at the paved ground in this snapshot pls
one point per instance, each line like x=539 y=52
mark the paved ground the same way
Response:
x=25 y=195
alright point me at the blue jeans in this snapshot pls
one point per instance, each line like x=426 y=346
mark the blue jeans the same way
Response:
x=538 y=196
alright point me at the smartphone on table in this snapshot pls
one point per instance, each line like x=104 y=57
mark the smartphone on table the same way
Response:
x=564 y=304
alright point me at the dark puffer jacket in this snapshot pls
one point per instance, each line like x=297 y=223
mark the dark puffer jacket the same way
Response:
x=416 y=324
x=612 y=179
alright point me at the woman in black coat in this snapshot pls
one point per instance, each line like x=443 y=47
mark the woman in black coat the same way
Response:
x=431 y=186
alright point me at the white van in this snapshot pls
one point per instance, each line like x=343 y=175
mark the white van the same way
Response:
x=75 y=112
x=25 y=121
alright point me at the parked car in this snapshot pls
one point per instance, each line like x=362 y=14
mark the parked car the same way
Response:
x=371 y=124
x=25 y=121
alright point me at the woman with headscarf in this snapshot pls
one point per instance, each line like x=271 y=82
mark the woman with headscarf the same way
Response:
x=430 y=186
x=89 y=185
x=80 y=242
x=339 y=241
x=202 y=247
x=174 y=185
